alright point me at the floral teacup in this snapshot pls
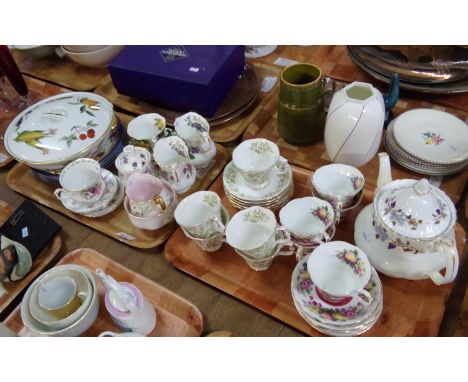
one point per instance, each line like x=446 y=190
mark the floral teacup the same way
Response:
x=146 y=129
x=172 y=157
x=194 y=130
x=200 y=214
x=308 y=221
x=147 y=195
x=256 y=236
x=82 y=179
x=339 y=184
x=341 y=272
x=255 y=159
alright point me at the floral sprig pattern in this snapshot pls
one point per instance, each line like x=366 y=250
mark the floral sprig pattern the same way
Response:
x=382 y=235
x=440 y=213
x=197 y=122
x=210 y=199
x=255 y=216
x=398 y=217
x=179 y=147
x=432 y=138
x=356 y=182
x=81 y=133
x=351 y=257
x=261 y=147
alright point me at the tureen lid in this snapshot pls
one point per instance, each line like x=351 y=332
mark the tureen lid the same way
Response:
x=132 y=158
x=59 y=127
x=415 y=209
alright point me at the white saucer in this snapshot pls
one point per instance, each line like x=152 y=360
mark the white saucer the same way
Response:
x=112 y=205
x=234 y=184
x=85 y=208
x=432 y=135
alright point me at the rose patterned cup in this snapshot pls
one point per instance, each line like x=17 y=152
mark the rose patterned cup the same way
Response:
x=340 y=272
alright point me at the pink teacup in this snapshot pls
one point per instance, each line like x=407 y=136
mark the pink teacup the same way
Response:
x=146 y=195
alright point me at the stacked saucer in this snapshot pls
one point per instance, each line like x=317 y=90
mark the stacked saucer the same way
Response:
x=346 y=319
x=428 y=141
x=273 y=196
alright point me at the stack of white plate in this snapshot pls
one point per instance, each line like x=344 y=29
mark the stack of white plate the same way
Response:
x=275 y=195
x=428 y=141
x=350 y=319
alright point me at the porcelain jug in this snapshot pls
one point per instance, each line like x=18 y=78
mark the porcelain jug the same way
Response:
x=127 y=305
x=355 y=120
x=408 y=230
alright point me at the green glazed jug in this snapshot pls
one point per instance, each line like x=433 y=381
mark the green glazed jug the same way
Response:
x=301 y=117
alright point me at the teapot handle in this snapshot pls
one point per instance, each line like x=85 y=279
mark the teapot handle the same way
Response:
x=448 y=248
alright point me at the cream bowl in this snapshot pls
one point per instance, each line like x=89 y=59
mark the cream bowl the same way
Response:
x=95 y=59
x=76 y=328
x=36 y=51
x=83 y=286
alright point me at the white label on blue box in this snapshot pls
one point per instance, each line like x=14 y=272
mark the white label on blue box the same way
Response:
x=192 y=69
x=281 y=61
x=24 y=232
x=267 y=84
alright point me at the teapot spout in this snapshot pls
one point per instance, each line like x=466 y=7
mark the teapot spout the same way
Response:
x=391 y=98
x=385 y=170
x=121 y=296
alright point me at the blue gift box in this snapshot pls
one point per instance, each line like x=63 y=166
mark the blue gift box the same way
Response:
x=181 y=77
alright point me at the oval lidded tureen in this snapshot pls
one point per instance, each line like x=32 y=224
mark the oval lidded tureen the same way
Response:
x=409 y=229
x=59 y=129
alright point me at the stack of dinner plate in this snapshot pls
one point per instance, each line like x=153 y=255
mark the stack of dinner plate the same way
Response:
x=428 y=141
x=274 y=196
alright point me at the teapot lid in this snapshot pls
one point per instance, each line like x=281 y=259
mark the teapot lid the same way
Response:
x=132 y=159
x=415 y=209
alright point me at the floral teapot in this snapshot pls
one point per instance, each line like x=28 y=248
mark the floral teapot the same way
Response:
x=408 y=230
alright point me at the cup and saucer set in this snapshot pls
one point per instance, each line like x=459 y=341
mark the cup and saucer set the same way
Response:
x=336 y=290
x=89 y=190
x=258 y=176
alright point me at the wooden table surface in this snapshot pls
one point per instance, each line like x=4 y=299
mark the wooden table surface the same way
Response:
x=220 y=311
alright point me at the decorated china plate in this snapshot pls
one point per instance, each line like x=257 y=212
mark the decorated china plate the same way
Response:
x=59 y=128
x=111 y=205
x=432 y=135
x=353 y=312
x=234 y=184
x=111 y=189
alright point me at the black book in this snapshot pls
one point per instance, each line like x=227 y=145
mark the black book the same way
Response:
x=29 y=226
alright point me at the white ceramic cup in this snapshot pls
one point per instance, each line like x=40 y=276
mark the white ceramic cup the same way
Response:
x=339 y=184
x=255 y=159
x=145 y=130
x=172 y=157
x=308 y=220
x=255 y=235
x=82 y=178
x=59 y=296
x=194 y=130
x=200 y=214
x=147 y=195
x=340 y=271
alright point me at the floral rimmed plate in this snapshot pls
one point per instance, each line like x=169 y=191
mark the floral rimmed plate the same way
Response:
x=59 y=128
x=234 y=184
x=111 y=182
x=432 y=135
x=352 y=313
x=112 y=204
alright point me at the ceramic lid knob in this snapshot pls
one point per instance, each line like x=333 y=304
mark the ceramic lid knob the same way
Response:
x=422 y=187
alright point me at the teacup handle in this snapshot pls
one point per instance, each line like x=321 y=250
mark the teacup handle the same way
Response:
x=220 y=224
x=293 y=247
x=174 y=171
x=338 y=210
x=58 y=193
x=157 y=199
x=282 y=159
x=368 y=298
x=448 y=248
